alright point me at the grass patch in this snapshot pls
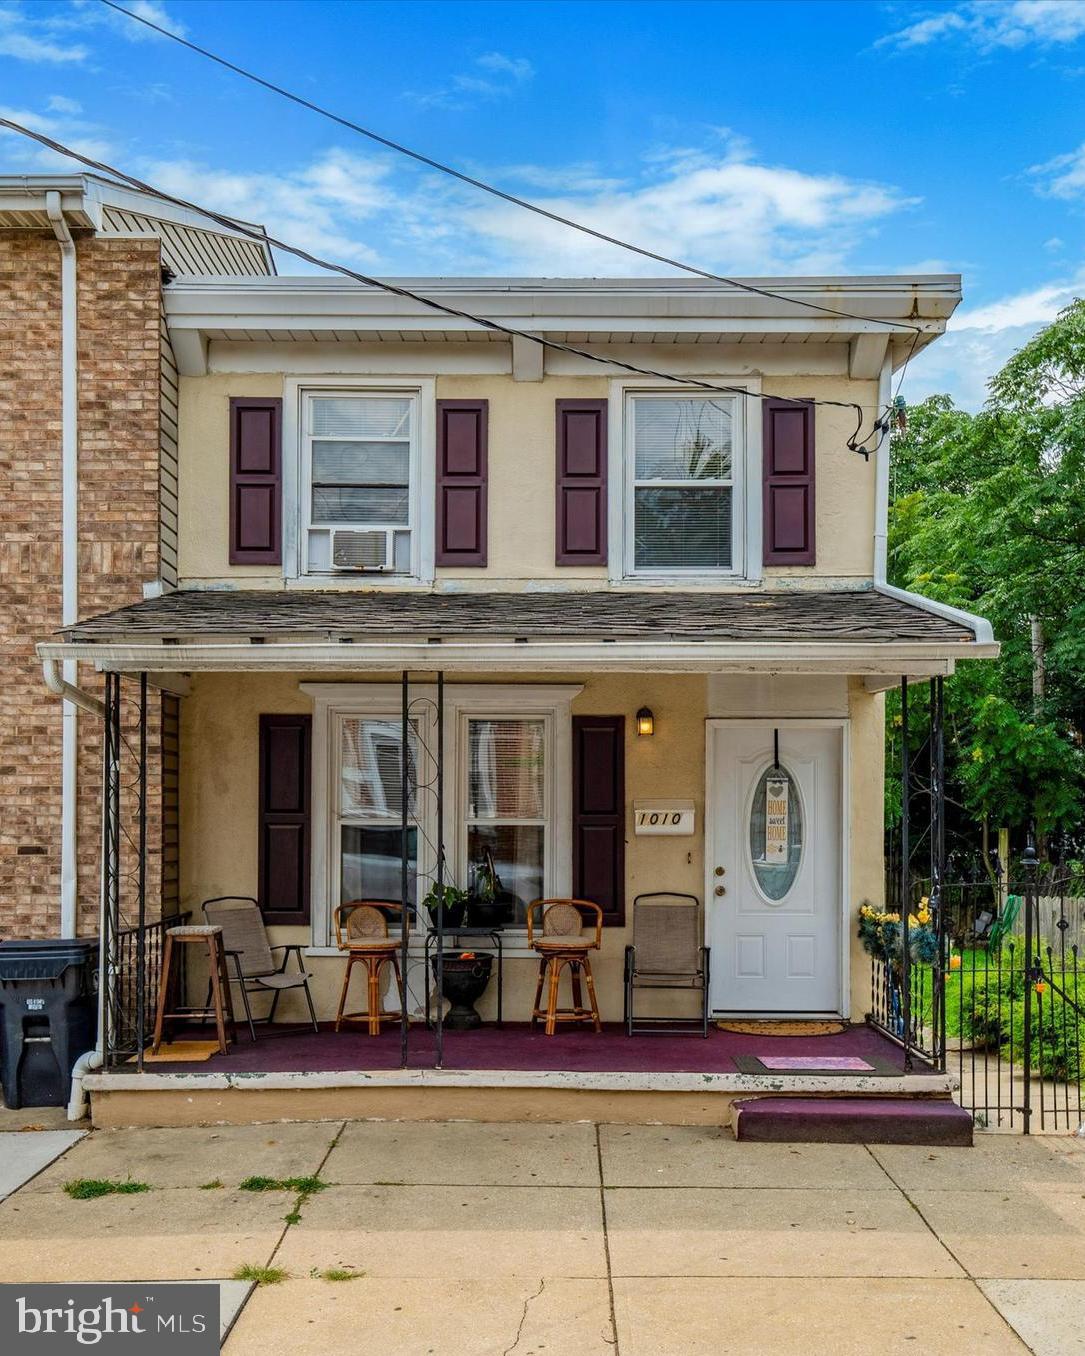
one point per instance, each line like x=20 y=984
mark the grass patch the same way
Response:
x=339 y=1274
x=90 y=1188
x=261 y=1275
x=216 y=1185
x=304 y=1186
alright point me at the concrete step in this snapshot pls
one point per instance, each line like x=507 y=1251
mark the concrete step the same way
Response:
x=852 y=1120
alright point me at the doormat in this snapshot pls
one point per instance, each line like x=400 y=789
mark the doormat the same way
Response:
x=783 y=1028
x=179 y=1052
x=873 y=1066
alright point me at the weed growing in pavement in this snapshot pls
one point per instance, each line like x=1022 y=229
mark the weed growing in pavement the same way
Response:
x=261 y=1275
x=90 y=1188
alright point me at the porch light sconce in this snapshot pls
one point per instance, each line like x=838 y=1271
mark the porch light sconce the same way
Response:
x=646 y=722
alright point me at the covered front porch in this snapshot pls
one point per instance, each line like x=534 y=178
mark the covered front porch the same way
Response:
x=743 y=688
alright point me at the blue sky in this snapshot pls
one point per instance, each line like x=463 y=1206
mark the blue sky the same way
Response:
x=765 y=138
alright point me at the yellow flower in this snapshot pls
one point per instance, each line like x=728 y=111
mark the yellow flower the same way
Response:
x=913 y=921
x=924 y=917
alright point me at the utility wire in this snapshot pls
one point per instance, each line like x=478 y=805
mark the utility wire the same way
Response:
x=492 y=189
x=854 y=443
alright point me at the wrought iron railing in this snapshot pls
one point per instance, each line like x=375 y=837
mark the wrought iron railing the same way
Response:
x=133 y=987
x=1002 y=1006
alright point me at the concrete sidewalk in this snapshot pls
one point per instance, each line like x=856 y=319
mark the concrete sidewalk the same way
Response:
x=575 y=1240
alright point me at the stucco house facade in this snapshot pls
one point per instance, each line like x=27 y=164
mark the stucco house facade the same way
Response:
x=371 y=493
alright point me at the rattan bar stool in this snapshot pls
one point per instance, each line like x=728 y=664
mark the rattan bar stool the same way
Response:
x=361 y=930
x=563 y=944
x=220 y=1004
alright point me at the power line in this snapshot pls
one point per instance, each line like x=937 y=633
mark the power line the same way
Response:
x=854 y=443
x=492 y=189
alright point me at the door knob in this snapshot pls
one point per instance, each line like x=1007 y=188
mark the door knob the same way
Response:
x=719 y=870
x=720 y=890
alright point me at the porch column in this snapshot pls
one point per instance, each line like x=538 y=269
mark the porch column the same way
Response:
x=404 y=862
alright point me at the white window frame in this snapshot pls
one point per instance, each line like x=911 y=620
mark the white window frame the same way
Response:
x=297 y=477
x=333 y=701
x=746 y=485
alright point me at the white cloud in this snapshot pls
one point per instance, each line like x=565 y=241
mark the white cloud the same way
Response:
x=727 y=212
x=1064 y=176
x=730 y=213
x=519 y=68
x=327 y=207
x=60 y=103
x=39 y=35
x=497 y=76
x=60 y=123
x=978 y=342
x=27 y=39
x=996 y=23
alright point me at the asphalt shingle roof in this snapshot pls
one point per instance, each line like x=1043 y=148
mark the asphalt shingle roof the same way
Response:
x=322 y=615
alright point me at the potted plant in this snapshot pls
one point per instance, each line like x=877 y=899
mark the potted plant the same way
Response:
x=489 y=905
x=450 y=901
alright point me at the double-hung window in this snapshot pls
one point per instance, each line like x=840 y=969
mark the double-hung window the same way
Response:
x=505 y=819
x=507 y=767
x=367 y=839
x=683 y=506
x=361 y=463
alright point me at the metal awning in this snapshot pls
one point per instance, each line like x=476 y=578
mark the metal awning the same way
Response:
x=863 y=631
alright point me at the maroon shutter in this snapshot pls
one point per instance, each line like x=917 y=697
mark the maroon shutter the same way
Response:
x=284 y=817
x=255 y=480
x=582 y=482
x=599 y=814
x=788 y=460
x=461 y=482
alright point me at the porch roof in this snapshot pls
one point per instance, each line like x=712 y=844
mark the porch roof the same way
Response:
x=860 y=631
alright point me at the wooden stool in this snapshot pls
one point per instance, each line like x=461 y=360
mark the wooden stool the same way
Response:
x=564 y=944
x=361 y=930
x=220 y=1004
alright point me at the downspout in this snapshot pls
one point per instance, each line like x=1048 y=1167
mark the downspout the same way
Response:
x=69 y=518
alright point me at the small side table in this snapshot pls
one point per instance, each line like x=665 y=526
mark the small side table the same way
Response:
x=454 y=935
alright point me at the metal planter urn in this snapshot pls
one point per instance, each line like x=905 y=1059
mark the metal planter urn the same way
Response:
x=466 y=974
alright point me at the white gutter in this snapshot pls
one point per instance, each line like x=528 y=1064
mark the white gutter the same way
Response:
x=69 y=520
x=979 y=626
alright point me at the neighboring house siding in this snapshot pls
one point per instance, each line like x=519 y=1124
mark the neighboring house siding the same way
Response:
x=119 y=301
x=167 y=466
x=187 y=249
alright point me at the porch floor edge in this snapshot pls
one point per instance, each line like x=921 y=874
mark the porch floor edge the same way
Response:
x=916 y=1084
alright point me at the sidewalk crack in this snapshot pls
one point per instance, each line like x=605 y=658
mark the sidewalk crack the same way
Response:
x=523 y=1317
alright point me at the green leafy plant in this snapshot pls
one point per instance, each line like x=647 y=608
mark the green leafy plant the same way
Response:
x=90 y=1188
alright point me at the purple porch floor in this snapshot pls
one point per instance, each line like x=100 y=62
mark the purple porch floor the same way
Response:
x=516 y=1047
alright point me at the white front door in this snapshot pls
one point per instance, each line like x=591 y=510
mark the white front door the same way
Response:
x=773 y=866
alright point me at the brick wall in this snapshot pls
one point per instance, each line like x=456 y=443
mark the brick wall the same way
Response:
x=119 y=307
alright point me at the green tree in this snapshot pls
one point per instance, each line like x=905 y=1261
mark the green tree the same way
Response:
x=988 y=513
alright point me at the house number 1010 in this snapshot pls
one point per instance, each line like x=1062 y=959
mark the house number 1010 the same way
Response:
x=663 y=817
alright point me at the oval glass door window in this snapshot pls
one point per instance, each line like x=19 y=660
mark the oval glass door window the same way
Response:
x=776 y=832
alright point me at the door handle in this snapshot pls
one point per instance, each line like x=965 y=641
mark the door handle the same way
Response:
x=719 y=870
x=720 y=890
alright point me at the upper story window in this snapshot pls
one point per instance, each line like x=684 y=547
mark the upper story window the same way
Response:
x=683 y=463
x=360 y=466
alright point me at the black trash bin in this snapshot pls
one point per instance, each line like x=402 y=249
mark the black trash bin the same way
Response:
x=48 y=1015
